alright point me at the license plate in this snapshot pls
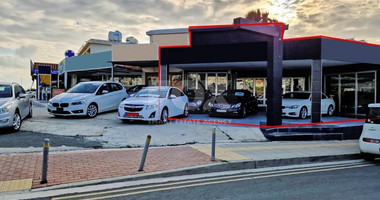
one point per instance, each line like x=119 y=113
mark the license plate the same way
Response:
x=132 y=114
x=59 y=109
x=221 y=111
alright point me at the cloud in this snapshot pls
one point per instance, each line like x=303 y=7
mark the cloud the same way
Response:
x=42 y=30
x=26 y=51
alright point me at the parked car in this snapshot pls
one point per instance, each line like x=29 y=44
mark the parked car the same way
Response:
x=15 y=105
x=134 y=89
x=154 y=104
x=199 y=98
x=234 y=103
x=31 y=94
x=369 y=142
x=298 y=104
x=88 y=99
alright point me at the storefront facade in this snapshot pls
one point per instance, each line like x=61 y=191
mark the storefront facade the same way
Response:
x=344 y=70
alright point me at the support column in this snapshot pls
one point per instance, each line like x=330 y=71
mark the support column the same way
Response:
x=274 y=82
x=164 y=75
x=65 y=80
x=58 y=81
x=316 y=91
x=112 y=78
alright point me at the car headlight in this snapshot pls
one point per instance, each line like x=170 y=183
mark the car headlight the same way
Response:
x=210 y=104
x=78 y=102
x=292 y=107
x=199 y=102
x=236 y=105
x=148 y=107
x=5 y=109
x=121 y=105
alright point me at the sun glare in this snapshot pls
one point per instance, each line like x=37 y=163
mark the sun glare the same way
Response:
x=282 y=10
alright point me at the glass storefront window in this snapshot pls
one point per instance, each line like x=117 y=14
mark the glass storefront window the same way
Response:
x=211 y=82
x=176 y=80
x=286 y=85
x=352 y=92
x=130 y=81
x=366 y=91
x=222 y=82
x=152 y=80
x=347 y=88
x=332 y=88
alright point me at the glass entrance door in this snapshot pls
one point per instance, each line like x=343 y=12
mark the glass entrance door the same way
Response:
x=366 y=91
x=347 y=88
x=352 y=92
x=260 y=86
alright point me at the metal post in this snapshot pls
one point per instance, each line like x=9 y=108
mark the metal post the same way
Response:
x=213 y=145
x=45 y=161
x=141 y=168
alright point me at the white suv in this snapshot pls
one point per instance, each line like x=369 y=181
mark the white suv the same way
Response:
x=369 y=142
x=15 y=105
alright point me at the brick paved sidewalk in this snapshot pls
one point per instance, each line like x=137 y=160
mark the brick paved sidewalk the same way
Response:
x=24 y=171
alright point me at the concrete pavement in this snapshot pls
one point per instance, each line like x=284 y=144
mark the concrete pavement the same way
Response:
x=68 y=169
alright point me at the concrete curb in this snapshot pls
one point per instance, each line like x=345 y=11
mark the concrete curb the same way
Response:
x=217 y=167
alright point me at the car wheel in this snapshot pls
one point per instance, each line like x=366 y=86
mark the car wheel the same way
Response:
x=92 y=110
x=30 y=115
x=368 y=157
x=303 y=113
x=330 y=110
x=243 y=112
x=185 y=111
x=16 y=124
x=164 y=116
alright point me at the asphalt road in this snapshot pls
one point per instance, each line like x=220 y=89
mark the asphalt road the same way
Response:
x=343 y=181
x=24 y=139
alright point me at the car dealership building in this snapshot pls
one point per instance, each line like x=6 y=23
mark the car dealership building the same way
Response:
x=256 y=57
x=242 y=55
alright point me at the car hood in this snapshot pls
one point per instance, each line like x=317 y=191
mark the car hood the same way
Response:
x=145 y=100
x=4 y=100
x=70 y=97
x=290 y=102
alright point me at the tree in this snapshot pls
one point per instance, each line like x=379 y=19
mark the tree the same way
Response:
x=262 y=17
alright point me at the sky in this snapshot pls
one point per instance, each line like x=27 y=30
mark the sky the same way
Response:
x=43 y=30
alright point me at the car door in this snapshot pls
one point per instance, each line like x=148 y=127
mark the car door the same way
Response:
x=23 y=103
x=176 y=104
x=118 y=94
x=104 y=97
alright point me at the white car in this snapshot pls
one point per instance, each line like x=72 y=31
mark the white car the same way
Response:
x=88 y=98
x=154 y=104
x=298 y=104
x=369 y=142
x=15 y=105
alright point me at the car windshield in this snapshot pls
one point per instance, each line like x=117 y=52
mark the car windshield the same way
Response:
x=151 y=92
x=5 y=91
x=296 y=96
x=374 y=115
x=84 y=88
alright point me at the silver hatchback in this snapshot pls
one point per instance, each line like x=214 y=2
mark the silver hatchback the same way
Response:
x=15 y=105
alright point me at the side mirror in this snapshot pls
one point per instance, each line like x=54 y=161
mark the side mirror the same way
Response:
x=105 y=92
x=172 y=96
x=22 y=95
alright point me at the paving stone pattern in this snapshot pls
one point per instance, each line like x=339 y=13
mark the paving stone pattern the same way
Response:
x=69 y=167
